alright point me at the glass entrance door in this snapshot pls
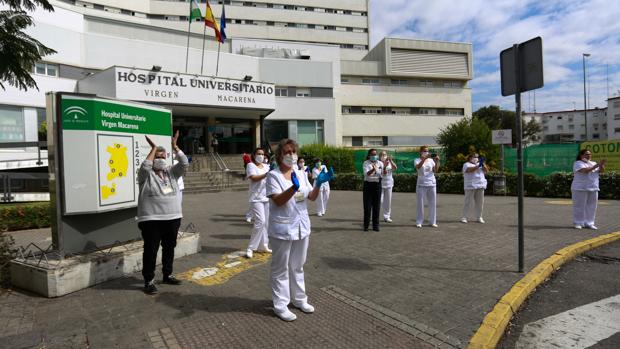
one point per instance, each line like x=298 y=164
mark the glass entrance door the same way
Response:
x=234 y=137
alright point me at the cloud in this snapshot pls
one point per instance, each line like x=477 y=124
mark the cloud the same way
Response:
x=568 y=28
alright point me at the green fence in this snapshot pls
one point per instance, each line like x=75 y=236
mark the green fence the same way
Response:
x=542 y=159
x=403 y=159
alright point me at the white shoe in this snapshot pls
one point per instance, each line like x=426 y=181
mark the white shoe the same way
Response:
x=388 y=220
x=577 y=226
x=248 y=220
x=305 y=307
x=249 y=253
x=480 y=220
x=434 y=225
x=319 y=214
x=593 y=227
x=286 y=315
x=267 y=250
x=418 y=225
x=463 y=220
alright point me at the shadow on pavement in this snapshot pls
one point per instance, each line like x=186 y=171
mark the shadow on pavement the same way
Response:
x=217 y=250
x=346 y=263
x=231 y=236
x=542 y=227
x=189 y=304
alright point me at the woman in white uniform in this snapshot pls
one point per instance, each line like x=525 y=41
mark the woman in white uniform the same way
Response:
x=426 y=188
x=321 y=202
x=474 y=183
x=289 y=229
x=371 y=195
x=256 y=172
x=585 y=189
x=387 y=184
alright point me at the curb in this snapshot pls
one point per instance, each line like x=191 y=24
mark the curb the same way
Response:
x=495 y=322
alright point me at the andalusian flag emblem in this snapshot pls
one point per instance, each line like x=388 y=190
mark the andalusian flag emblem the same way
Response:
x=194 y=11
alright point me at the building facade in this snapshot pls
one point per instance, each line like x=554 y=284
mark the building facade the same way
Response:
x=324 y=85
x=570 y=125
x=613 y=118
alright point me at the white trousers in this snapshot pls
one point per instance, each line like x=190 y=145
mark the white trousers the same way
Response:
x=584 y=207
x=474 y=199
x=428 y=195
x=260 y=215
x=386 y=202
x=287 y=272
x=249 y=213
x=321 y=201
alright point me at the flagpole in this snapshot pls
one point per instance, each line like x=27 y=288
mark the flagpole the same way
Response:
x=202 y=60
x=217 y=65
x=188 y=31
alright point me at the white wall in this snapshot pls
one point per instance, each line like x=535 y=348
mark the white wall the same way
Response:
x=297 y=108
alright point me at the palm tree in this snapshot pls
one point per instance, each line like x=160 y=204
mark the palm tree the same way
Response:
x=19 y=51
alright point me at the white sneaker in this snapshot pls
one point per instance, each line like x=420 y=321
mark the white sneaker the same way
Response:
x=418 y=225
x=480 y=220
x=305 y=307
x=388 y=220
x=463 y=220
x=286 y=315
x=248 y=220
x=577 y=226
x=593 y=227
x=319 y=214
x=249 y=253
x=266 y=250
x=434 y=225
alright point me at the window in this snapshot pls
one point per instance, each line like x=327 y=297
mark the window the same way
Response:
x=571 y=127
x=370 y=81
x=595 y=136
x=428 y=111
x=344 y=80
x=398 y=82
x=374 y=141
x=617 y=130
x=357 y=141
x=401 y=111
x=371 y=110
x=310 y=132
x=570 y=119
x=281 y=92
x=302 y=92
x=40 y=120
x=426 y=83
x=11 y=124
x=452 y=84
x=454 y=112
x=559 y=117
x=48 y=69
x=616 y=104
x=560 y=127
x=617 y=117
x=545 y=128
x=346 y=110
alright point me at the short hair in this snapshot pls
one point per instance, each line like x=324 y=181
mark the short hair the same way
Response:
x=159 y=149
x=256 y=151
x=581 y=152
x=471 y=155
x=280 y=149
x=424 y=147
x=315 y=160
x=370 y=151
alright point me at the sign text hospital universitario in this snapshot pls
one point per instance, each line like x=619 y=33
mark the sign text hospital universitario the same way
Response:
x=192 y=89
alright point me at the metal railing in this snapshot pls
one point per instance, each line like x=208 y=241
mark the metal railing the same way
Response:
x=7 y=177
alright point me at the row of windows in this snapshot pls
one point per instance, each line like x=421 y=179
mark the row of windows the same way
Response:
x=402 y=111
x=295 y=25
x=12 y=123
x=401 y=82
x=47 y=69
x=291 y=7
x=299 y=92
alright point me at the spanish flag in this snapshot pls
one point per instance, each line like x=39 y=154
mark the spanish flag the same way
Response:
x=211 y=22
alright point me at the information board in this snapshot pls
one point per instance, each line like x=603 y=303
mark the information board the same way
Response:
x=103 y=145
x=608 y=150
x=501 y=136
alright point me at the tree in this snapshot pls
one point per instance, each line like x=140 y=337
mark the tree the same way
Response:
x=464 y=137
x=498 y=119
x=19 y=51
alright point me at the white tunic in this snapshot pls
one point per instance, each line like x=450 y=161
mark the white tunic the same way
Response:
x=475 y=179
x=388 y=179
x=426 y=176
x=258 y=191
x=585 y=181
x=289 y=221
x=376 y=176
x=315 y=174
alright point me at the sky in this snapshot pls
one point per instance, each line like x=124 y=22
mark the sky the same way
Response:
x=568 y=29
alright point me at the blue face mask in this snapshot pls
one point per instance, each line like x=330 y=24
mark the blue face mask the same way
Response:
x=373 y=158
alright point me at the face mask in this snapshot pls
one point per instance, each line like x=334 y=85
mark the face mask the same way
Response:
x=318 y=165
x=373 y=158
x=383 y=157
x=289 y=159
x=425 y=154
x=302 y=164
x=584 y=159
x=474 y=160
x=159 y=164
x=259 y=158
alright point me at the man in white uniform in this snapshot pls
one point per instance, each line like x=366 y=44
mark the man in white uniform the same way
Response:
x=426 y=188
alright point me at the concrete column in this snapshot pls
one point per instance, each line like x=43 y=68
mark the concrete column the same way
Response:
x=256 y=135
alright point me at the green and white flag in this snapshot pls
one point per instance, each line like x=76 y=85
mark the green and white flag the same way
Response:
x=194 y=11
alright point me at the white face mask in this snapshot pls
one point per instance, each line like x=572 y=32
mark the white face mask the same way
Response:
x=259 y=158
x=425 y=154
x=159 y=164
x=383 y=157
x=289 y=159
x=474 y=161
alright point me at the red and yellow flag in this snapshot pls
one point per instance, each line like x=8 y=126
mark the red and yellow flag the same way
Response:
x=211 y=22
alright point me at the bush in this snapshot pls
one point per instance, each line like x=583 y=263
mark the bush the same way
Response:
x=24 y=216
x=6 y=254
x=555 y=185
x=342 y=159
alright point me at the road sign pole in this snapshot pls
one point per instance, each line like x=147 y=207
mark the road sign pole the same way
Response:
x=519 y=153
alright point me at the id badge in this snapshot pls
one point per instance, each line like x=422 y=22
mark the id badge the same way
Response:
x=299 y=196
x=166 y=189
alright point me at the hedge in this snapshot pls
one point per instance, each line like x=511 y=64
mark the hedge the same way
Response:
x=24 y=216
x=554 y=185
x=342 y=159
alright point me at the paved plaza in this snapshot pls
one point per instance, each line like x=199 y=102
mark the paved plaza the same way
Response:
x=402 y=287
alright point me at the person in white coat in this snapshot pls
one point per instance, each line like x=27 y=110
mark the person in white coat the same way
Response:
x=321 y=202
x=474 y=182
x=288 y=190
x=387 y=184
x=426 y=187
x=256 y=173
x=585 y=188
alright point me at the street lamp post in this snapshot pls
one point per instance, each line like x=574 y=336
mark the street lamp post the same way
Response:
x=585 y=107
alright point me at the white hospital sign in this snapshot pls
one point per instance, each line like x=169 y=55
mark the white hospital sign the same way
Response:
x=501 y=136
